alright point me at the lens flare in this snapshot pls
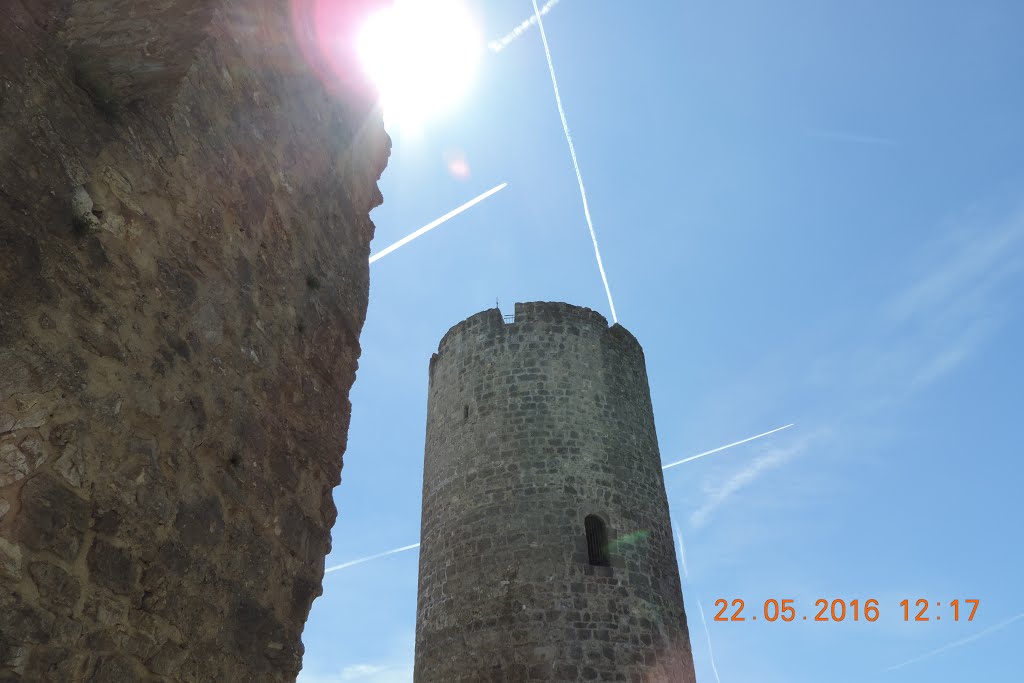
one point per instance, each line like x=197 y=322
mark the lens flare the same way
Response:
x=422 y=57
x=626 y=540
x=458 y=165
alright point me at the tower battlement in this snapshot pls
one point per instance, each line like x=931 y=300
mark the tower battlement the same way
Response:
x=533 y=317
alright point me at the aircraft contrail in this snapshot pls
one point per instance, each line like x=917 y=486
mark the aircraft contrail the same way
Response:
x=346 y=565
x=678 y=535
x=575 y=163
x=500 y=44
x=958 y=643
x=722 y=448
x=433 y=224
x=708 y=634
x=682 y=554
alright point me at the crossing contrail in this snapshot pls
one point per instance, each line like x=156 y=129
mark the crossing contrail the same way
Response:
x=957 y=643
x=708 y=634
x=500 y=44
x=575 y=163
x=346 y=565
x=682 y=549
x=433 y=224
x=722 y=448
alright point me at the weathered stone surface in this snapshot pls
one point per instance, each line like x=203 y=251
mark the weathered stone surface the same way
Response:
x=110 y=567
x=116 y=668
x=200 y=523
x=57 y=585
x=55 y=664
x=10 y=558
x=52 y=517
x=532 y=427
x=125 y=50
x=173 y=395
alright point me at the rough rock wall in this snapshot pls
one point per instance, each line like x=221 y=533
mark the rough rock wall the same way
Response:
x=532 y=427
x=183 y=280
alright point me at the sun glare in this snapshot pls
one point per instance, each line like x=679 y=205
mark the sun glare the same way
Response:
x=422 y=57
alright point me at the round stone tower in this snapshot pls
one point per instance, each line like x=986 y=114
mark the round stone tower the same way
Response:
x=547 y=551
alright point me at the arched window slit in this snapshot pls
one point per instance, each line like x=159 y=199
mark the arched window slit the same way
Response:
x=597 y=541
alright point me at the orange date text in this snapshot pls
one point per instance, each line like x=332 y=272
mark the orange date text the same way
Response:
x=840 y=609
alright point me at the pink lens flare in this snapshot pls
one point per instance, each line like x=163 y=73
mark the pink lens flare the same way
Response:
x=326 y=33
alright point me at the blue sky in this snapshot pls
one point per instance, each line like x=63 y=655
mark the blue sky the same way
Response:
x=809 y=212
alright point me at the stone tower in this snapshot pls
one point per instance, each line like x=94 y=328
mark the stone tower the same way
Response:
x=547 y=550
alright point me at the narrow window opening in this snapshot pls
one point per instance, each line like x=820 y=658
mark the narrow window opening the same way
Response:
x=597 y=541
x=465 y=412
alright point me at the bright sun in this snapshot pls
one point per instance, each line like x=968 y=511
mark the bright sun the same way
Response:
x=422 y=56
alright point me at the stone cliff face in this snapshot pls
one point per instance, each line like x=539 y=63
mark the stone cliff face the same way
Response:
x=184 y=236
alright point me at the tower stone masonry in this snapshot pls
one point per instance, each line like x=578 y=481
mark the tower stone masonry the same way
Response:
x=547 y=550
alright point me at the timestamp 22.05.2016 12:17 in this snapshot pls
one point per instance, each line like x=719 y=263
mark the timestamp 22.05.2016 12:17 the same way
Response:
x=847 y=610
